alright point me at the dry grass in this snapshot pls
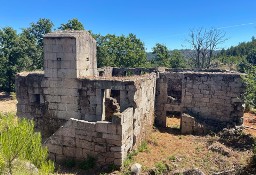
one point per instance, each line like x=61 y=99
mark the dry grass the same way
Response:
x=7 y=103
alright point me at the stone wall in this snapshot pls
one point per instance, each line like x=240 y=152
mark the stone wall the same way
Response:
x=103 y=140
x=108 y=141
x=212 y=97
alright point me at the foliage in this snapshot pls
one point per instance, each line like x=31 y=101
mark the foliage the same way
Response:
x=72 y=24
x=250 y=81
x=251 y=57
x=161 y=55
x=177 y=60
x=160 y=168
x=242 y=49
x=10 y=52
x=19 y=52
x=19 y=142
x=88 y=163
x=32 y=38
x=120 y=51
x=230 y=61
x=143 y=147
x=70 y=163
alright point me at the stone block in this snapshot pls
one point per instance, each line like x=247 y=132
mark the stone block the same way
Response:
x=118 y=162
x=57 y=149
x=100 y=148
x=50 y=56
x=102 y=126
x=111 y=136
x=69 y=141
x=69 y=151
x=60 y=158
x=83 y=144
x=114 y=142
x=111 y=128
x=110 y=160
x=117 y=148
x=79 y=153
x=68 y=132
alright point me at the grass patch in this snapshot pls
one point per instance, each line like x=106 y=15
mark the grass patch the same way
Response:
x=143 y=147
x=160 y=168
x=172 y=158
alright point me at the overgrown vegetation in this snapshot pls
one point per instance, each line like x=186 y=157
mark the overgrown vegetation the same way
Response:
x=130 y=157
x=88 y=163
x=19 y=143
x=250 y=93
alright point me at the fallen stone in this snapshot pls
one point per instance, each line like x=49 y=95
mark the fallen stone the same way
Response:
x=221 y=149
x=136 y=169
x=194 y=171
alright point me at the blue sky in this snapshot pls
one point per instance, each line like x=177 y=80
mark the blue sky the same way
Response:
x=153 y=21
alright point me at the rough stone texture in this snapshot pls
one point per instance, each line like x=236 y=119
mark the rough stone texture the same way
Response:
x=190 y=126
x=107 y=112
x=214 y=98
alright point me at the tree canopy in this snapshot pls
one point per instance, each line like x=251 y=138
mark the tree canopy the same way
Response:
x=161 y=55
x=120 y=51
x=72 y=24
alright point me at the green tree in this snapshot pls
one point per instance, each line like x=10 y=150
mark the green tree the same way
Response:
x=251 y=57
x=250 y=81
x=32 y=42
x=10 y=52
x=120 y=51
x=177 y=60
x=72 y=24
x=161 y=55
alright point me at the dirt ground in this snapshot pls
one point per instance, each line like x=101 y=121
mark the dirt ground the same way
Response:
x=175 y=151
x=7 y=103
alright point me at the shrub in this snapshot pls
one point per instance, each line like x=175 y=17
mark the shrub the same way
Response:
x=70 y=163
x=18 y=141
x=88 y=163
x=250 y=81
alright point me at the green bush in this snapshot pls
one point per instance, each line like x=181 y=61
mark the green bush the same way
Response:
x=70 y=163
x=88 y=163
x=250 y=81
x=18 y=141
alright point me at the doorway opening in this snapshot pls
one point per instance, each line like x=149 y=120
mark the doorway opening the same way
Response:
x=173 y=120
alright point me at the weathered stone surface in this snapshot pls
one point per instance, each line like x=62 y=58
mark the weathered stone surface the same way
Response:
x=106 y=116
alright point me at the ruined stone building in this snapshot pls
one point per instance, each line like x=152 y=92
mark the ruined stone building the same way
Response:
x=107 y=112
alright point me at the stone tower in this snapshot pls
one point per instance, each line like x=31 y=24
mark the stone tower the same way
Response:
x=69 y=54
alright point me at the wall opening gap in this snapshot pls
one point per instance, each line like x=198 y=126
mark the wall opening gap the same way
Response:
x=112 y=103
x=173 y=120
x=174 y=91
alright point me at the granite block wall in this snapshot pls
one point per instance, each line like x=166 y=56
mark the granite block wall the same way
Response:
x=213 y=97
